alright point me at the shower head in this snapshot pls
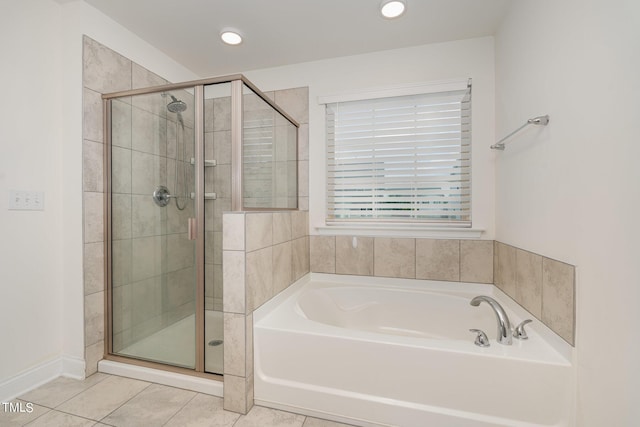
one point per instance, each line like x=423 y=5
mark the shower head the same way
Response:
x=175 y=106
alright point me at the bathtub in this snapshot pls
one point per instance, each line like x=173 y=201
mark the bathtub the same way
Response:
x=378 y=351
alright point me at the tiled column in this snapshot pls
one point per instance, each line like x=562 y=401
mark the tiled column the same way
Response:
x=263 y=253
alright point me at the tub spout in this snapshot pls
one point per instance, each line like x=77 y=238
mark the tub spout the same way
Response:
x=504 y=326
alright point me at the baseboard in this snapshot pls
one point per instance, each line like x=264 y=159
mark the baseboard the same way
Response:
x=72 y=367
x=41 y=374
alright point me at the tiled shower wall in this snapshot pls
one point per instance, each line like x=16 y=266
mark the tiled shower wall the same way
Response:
x=106 y=71
x=153 y=263
x=543 y=286
x=103 y=71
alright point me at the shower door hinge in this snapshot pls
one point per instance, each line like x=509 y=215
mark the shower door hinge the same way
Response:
x=193 y=229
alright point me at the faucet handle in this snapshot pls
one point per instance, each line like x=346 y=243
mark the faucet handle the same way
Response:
x=519 y=331
x=481 y=338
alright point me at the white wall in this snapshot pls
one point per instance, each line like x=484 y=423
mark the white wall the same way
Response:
x=30 y=141
x=461 y=59
x=41 y=308
x=571 y=191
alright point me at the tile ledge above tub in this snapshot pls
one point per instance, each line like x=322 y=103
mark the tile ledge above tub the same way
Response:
x=395 y=230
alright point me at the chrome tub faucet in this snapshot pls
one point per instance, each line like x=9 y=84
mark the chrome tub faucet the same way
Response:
x=504 y=326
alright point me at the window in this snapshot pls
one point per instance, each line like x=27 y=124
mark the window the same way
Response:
x=400 y=159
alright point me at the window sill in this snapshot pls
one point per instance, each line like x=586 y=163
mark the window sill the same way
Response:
x=387 y=230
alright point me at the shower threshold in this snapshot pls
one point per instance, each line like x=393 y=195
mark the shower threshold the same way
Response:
x=174 y=345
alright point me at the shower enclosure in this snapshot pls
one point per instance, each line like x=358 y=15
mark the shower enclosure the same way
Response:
x=176 y=157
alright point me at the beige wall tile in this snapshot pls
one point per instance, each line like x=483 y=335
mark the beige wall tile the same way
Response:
x=295 y=102
x=221 y=114
x=259 y=280
x=94 y=318
x=350 y=260
x=476 y=261
x=303 y=142
x=180 y=289
x=233 y=273
x=149 y=131
x=146 y=297
x=504 y=265
x=529 y=281
x=558 y=293
x=217 y=247
x=233 y=228
x=300 y=256
x=303 y=178
x=141 y=78
x=281 y=227
x=222 y=147
x=147 y=218
x=92 y=165
x=394 y=257
x=121 y=123
x=234 y=344
x=438 y=259
x=248 y=333
x=92 y=125
x=93 y=268
x=249 y=388
x=146 y=257
x=223 y=181
x=148 y=171
x=122 y=262
x=121 y=216
x=282 y=267
x=323 y=254
x=218 y=207
x=93 y=217
x=208 y=114
x=104 y=70
x=303 y=203
x=235 y=394
x=259 y=230
x=122 y=302
x=92 y=355
x=299 y=224
x=180 y=252
x=121 y=170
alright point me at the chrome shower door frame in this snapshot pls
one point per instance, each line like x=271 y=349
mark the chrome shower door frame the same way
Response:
x=237 y=81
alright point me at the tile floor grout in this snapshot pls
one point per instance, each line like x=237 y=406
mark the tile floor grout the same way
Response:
x=145 y=410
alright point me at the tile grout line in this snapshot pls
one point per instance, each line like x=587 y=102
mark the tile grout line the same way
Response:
x=181 y=408
x=126 y=401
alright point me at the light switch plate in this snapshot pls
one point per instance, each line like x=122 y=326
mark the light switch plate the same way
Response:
x=26 y=200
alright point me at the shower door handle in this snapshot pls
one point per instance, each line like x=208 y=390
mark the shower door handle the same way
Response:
x=193 y=229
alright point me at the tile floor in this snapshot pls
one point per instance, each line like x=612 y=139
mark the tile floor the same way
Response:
x=109 y=400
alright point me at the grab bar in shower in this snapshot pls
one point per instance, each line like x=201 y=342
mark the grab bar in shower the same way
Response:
x=540 y=120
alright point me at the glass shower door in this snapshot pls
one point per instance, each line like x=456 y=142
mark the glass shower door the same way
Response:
x=153 y=262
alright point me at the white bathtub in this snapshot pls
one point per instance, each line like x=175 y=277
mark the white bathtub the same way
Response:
x=373 y=351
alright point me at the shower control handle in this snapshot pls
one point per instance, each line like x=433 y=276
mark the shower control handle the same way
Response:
x=193 y=229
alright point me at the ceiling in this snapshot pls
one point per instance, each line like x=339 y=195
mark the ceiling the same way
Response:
x=281 y=32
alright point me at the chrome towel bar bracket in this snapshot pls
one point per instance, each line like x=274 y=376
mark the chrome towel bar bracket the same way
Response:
x=540 y=120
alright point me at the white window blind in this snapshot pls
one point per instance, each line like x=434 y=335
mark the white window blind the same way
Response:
x=400 y=159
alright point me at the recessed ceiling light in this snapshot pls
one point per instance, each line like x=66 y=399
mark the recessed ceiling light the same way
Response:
x=392 y=9
x=231 y=37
